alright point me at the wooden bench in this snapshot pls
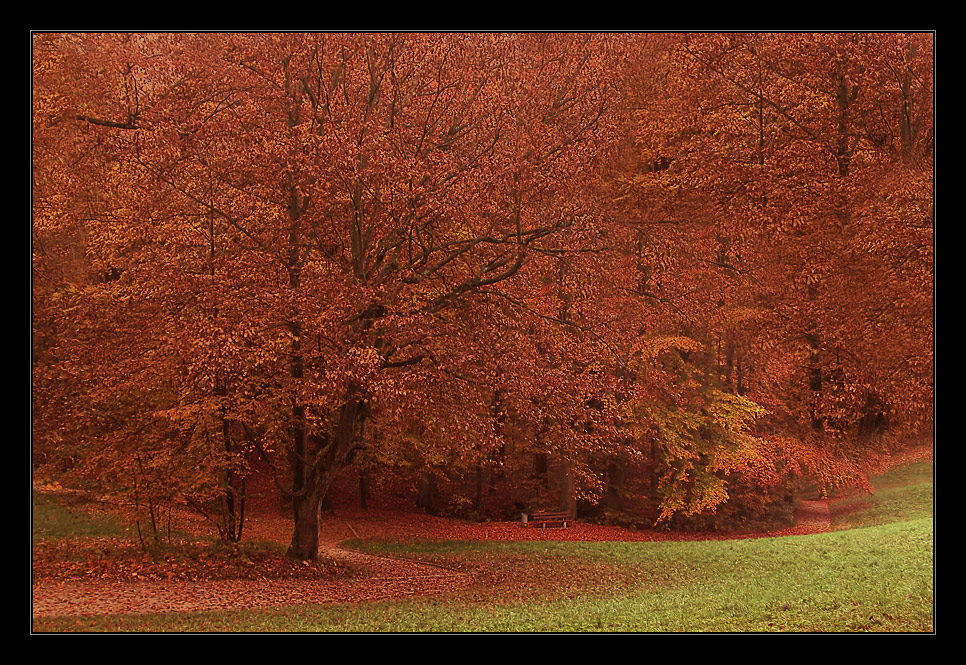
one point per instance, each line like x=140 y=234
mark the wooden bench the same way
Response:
x=545 y=518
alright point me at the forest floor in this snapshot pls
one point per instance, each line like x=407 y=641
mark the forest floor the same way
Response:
x=349 y=576
x=96 y=576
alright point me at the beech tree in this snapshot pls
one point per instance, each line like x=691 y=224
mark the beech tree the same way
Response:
x=310 y=216
x=777 y=150
x=706 y=254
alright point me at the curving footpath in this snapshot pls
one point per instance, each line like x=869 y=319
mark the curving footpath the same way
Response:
x=386 y=578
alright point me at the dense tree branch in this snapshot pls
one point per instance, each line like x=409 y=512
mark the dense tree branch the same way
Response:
x=107 y=123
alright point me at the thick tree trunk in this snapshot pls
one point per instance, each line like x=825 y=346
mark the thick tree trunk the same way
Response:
x=875 y=419
x=308 y=521
x=323 y=458
x=307 y=511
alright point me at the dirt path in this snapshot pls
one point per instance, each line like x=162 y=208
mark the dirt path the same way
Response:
x=815 y=515
x=385 y=577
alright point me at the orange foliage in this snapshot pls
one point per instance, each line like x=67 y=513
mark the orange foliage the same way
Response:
x=441 y=250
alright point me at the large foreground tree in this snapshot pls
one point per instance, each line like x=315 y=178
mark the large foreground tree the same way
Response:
x=298 y=223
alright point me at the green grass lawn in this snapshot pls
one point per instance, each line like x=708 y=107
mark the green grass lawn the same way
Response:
x=905 y=493
x=57 y=517
x=876 y=575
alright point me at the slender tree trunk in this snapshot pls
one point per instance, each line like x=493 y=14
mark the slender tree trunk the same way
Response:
x=327 y=506
x=479 y=504
x=616 y=484
x=541 y=465
x=653 y=477
x=742 y=373
x=364 y=489
x=909 y=126
x=815 y=383
x=568 y=488
x=234 y=494
x=427 y=492
x=730 y=362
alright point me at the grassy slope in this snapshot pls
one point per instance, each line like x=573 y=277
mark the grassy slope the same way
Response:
x=875 y=576
x=905 y=493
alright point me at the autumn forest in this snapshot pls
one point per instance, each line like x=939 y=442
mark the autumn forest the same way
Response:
x=674 y=278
